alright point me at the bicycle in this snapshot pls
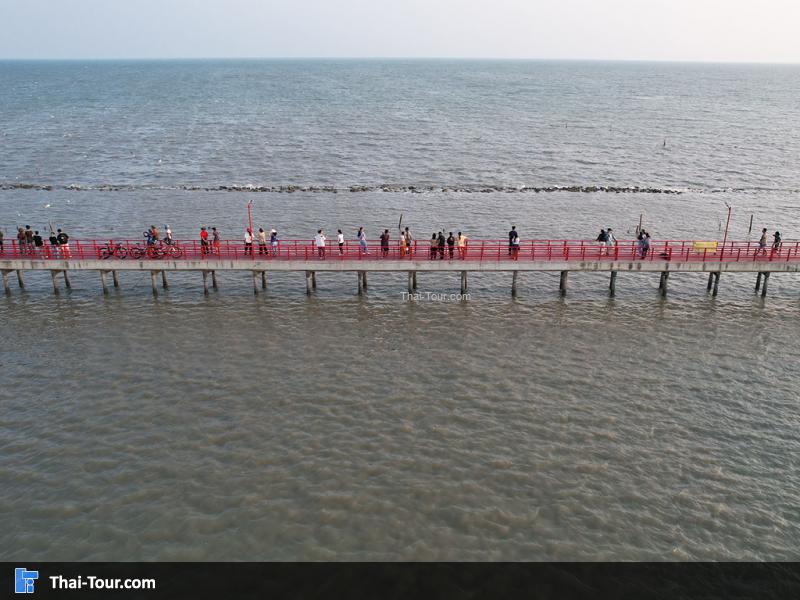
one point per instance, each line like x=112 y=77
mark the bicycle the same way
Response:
x=157 y=251
x=115 y=251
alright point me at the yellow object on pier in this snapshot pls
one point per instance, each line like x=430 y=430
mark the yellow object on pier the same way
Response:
x=703 y=246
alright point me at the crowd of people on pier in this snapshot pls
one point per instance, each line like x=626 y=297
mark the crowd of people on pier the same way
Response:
x=31 y=243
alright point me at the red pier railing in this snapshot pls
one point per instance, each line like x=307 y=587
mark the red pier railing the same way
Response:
x=474 y=250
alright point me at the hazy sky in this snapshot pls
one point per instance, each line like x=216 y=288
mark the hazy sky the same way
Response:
x=707 y=30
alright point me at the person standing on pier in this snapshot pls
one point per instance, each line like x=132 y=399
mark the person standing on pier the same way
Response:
x=403 y=244
x=611 y=241
x=515 y=248
x=273 y=241
x=215 y=241
x=340 y=240
x=513 y=236
x=602 y=241
x=434 y=247
x=248 y=242
x=29 y=238
x=776 y=241
x=167 y=235
x=362 y=240
x=409 y=240
x=38 y=242
x=262 y=241
x=53 y=244
x=645 y=244
x=63 y=244
x=385 y=243
x=2 y=235
x=22 y=246
x=441 y=243
x=203 y=242
x=451 y=245
x=154 y=233
x=319 y=240
x=762 y=242
x=462 y=245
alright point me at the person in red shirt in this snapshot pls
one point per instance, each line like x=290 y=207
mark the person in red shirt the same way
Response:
x=203 y=241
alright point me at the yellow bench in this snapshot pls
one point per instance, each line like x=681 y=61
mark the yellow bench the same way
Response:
x=701 y=247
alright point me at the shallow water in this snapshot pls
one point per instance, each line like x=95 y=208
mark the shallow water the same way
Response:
x=280 y=426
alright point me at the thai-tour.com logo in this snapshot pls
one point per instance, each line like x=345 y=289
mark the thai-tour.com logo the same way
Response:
x=24 y=580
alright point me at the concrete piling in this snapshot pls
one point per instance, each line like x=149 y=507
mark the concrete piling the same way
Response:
x=20 y=281
x=463 y=282
x=758 y=280
x=263 y=280
x=364 y=279
x=415 y=280
x=164 y=282
x=55 y=281
x=205 y=282
x=214 y=280
x=716 y=283
x=153 y=282
x=6 y=287
x=562 y=284
x=313 y=280
x=664 y=281
x=103 y=282
x=612 y=284
x=710 y=281
x=255 y=282
x=514 y=276
x=410 y=282
x=115 y=278
x=308 y=282
x=764 y=287
x=360 y=282
x=67 y=284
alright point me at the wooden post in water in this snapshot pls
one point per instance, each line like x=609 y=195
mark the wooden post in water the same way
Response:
x=153 y=282
x=205 y=282
x=115 y=278
x=716 y=283
x=55 y=282
x=164 y=283
x=764 y=287
x=612 y=284
x=758 y=280
x=514 y=283
x=562 y=284
x=214 y=280
x=66 y=279
x=19 y=279
x=103 y=282
x=463 y=282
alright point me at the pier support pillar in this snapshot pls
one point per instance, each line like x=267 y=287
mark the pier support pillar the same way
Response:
x=103 y=282
x=612 y=284
x=308 y=282
x=313 y=280
x=364 y=279
x=263 y=280
x=115 y=278
x=6 y=287
x=664 y=280
x=764 y=287
x=463 y=282
x=255 y=282
x=214 y=280
x=53 y=275
x=360 y=282
x=20 y=281
x=562 y=284
x=153 y=282
x=758 y=280
x=711 y=281
x=514 y=276
x=164 y=282
x=66 y=279
x=205 y=282
x=716 y=283
x=415 y=280
x=410 y=282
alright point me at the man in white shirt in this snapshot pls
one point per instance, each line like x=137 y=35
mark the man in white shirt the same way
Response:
x=320 y=241
x=248 y=242
x=340 y=241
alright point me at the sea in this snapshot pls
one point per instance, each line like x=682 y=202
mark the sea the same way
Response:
x=338 y=426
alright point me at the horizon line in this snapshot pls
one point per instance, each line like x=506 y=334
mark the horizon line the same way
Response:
x=409 y=58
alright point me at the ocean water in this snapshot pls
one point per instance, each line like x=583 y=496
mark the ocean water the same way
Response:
x=337 y=426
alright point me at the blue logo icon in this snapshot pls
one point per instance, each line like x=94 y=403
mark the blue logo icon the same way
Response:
x=23 y=580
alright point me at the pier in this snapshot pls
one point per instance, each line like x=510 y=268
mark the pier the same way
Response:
x=113 y=257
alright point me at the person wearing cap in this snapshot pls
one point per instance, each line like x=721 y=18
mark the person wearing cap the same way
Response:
x=262 y=241
x=273 y=241
x=167 y=235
